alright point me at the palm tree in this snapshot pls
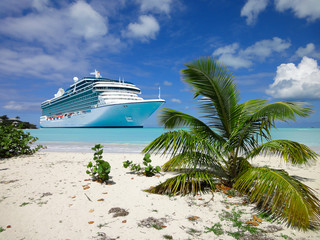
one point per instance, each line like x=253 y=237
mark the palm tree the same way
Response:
x=217 y=146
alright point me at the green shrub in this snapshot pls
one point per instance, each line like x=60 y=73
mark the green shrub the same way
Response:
x=100 y=171
x=133 y=166
x=149 y=170
x=14 y=142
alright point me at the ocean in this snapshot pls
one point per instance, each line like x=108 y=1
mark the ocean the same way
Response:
x=133 y=140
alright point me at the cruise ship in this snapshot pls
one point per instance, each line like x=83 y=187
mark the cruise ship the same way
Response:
x=98 y=102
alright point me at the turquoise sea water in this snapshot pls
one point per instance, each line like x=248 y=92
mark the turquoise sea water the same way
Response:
x=135 y=139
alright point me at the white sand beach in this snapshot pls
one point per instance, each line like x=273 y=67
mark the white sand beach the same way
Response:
x=50 y=196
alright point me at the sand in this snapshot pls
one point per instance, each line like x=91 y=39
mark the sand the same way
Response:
x=45 y=196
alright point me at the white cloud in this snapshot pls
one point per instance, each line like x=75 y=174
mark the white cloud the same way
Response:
x=252 y=8
x=40 y=4
x=297 y=82
x=13 y=7
x=55 y=27
x=167 y=83
x=229 y=49
x=63 y=37
x=35 y=62
x=86 y=21
x=175 y=100
x=6 y=92
x=21 y=106
x=45 y=28
x=147 y=28
x=235 y=61
x=265 y=48
x=309 y=9
x=155 y=5
x=109 y=7
x=309 y=51
x=231 y=55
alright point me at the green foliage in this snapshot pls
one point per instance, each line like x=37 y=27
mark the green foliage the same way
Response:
x=24 y=204
x=2 y=229
x=127 y=163
x=102 y=225
x=225 y=137
x=101 y=169
x=194 y=232
x=266 y=216
x=4 y=120
x=148 y=170
x=15 y=141
x=234 y=217
x=158 y=227
x=133 y=167
x=285 y=236
x=270 y=192
x=216 y=229
x=185 y=183
x=231 y=192
x=167 y=237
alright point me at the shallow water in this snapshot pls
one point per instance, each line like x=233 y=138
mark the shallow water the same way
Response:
x=135 y=139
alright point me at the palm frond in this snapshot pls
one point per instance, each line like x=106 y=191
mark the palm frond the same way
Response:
x=213 y=119
x=214 y=82
x=186 y=183
x=246 y=131
x=282 y=111
x=290 y=151
x=256 y=118
x=195 y=160
x=175 y=119
x=243 y=138
x=262 y=116
x=181 y=141
x=251 y=106
x=282 y=196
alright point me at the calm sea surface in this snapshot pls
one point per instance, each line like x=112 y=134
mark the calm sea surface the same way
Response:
x=135 y=139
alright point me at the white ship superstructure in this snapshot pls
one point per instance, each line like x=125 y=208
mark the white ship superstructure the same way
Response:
x=98 y=102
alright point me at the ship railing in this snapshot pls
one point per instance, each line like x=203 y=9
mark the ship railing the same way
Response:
x=116 y=91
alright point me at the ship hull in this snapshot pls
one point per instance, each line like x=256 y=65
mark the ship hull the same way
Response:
x=131 y=114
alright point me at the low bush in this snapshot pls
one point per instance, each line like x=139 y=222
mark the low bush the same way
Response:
x=149 y=170
x=14 y=141
x=101 y=169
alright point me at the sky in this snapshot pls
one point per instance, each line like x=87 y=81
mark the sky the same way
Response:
x=271 y=46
